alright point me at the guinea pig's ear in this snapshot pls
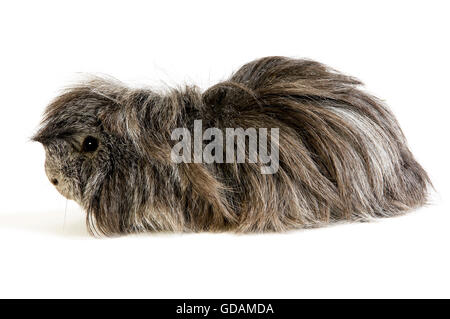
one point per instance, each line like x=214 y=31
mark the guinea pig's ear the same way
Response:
x=113 y=106
x=143 y=117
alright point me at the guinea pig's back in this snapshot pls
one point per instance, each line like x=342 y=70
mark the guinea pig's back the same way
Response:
x=342 y=154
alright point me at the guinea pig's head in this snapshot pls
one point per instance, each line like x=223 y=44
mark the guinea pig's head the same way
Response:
x=90 y=140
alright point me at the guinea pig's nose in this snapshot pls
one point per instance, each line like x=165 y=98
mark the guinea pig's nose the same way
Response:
x=54 y=181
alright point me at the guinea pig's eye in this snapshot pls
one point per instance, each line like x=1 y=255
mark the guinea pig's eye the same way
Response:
x=90 y=144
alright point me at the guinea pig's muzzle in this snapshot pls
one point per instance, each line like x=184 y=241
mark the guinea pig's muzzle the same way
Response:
x=58 y=180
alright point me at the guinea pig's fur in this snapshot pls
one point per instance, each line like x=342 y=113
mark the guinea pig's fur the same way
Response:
x=342 y=154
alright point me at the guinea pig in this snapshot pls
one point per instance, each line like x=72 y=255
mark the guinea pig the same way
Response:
x=341 y=155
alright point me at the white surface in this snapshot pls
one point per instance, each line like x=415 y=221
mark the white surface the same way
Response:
x=399 y=49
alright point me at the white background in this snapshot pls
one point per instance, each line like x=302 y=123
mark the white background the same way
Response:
x=399 y=49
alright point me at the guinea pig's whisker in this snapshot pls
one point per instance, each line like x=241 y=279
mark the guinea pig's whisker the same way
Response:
x=65 y=214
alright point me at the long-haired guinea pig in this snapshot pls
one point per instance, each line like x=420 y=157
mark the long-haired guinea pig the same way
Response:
x=341 y=154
